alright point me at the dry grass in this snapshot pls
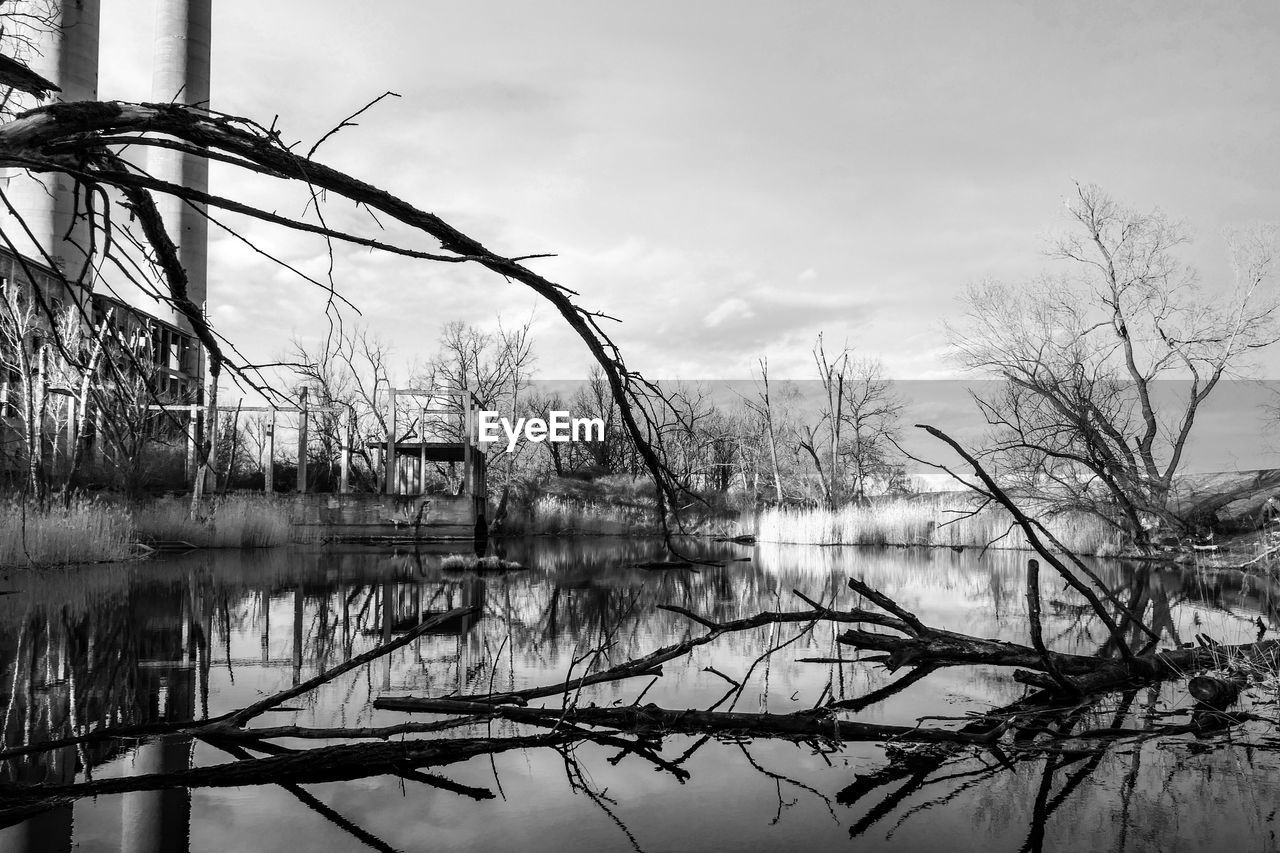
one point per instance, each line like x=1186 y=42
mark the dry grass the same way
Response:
x=90 y=531
x=472 y=563
x=929 y=522
x=555 y=514
x=234 y=522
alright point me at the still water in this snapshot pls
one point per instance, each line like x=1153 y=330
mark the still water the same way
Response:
x=199 y=635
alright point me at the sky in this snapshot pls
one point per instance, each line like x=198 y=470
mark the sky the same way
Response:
x=728 y=178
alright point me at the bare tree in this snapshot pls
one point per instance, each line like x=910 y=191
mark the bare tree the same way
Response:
x=1080 y=419
x=91 y=144
x=541 y=405
x=870 y=412
x=775 y=424
x=346 y=376
x=24 y=357
x=821 y=440
x=609 y=454
x=494 y=366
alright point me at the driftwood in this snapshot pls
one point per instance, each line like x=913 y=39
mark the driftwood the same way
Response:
x=1217 y=693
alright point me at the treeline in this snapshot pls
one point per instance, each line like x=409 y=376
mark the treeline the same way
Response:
x=766 y=442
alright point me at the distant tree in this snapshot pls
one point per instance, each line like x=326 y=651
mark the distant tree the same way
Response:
x=849 y=443
x=540 y=405
x=871 y=413
x=346 y=373
x=496 y=367
x=594 y=400
x=774 y=422
x=1079 y=421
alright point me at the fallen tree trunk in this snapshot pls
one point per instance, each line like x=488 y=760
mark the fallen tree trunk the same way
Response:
x=922 y=645
x=324 y=764
x=651 y=718
x=651 y=664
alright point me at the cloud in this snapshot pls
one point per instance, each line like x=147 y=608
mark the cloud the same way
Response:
x=693 y=186
x=732 y=307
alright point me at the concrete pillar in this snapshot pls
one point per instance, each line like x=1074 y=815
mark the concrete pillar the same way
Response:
x=181 y=75
x=302 y=441
x=348 y=430
x=468 y=476
x=67 y=54
x=389 y=461
x=269 y=468
x=422 y=451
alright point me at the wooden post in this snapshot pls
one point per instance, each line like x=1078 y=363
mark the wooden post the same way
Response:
x=302 y=441
x=344 y=476
x=269 y=470
x=389 y=460
x=422 y=450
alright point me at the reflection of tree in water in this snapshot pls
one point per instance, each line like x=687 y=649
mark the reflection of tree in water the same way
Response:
x=137 y=651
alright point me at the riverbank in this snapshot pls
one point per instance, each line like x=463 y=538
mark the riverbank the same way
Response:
x=105 y=529
x=613 y=505
x=87 y=531
x=619 y=505
x=935 y=521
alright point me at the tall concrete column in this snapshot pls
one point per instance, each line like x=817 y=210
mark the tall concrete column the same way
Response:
x=181 y=75
x=66 y=54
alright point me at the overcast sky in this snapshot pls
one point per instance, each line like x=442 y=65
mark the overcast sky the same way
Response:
x=729 y=178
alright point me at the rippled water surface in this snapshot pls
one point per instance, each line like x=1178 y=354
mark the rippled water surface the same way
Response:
x=199 y=635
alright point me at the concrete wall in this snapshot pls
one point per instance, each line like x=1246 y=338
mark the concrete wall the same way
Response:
x=320 y=516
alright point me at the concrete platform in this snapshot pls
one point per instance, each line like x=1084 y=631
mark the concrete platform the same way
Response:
x=367 y=517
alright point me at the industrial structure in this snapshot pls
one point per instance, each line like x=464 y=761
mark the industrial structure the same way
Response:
x=54 y=228
x=48 y=246
x=50 y=250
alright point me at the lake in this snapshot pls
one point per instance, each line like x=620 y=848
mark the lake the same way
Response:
x=198 y=635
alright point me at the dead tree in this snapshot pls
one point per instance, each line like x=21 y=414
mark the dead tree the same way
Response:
x=79 y=140
x=1080 y=413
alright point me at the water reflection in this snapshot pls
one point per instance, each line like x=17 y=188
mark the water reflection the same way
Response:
x=196 y=636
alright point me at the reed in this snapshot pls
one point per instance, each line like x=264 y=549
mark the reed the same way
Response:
x=935 y=521
x=472 y=563
x=239 y=521
x=557 y=514
x=88 y=531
